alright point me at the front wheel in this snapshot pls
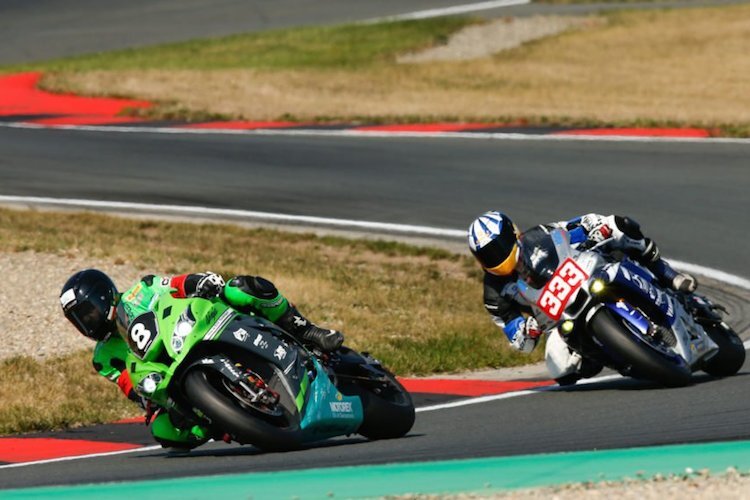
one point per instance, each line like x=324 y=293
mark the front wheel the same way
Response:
x=386 y=404
x=208 y=394
x=731 y=355
x=635 y=356
x=389 y=410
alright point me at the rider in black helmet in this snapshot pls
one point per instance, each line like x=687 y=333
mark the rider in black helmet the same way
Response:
x=91 y=302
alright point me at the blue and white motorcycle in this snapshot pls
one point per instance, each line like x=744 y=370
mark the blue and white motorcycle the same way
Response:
x=611 y=310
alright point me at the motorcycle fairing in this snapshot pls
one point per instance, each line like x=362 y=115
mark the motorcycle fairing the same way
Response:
x=329 y=412
x=635 y=283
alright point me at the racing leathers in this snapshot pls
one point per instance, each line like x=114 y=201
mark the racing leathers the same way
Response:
x=511 y=312
x=247 y=294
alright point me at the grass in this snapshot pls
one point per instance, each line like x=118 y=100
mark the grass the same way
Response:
x=628 y=68
x=567 y=2
x=58 y=393
x=417 y=309
x=350 y=46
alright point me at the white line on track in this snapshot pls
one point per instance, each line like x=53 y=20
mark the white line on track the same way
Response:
x=250 y=215
x=243 y=214
x=379 y=134
x=528 y=392
x=508 y=395
x=449 y=11
x=79 y=457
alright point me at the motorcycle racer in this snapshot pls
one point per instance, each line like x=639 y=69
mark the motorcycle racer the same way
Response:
x=493 y=240
x=91 y=302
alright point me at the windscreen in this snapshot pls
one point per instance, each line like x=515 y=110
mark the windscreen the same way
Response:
x=537 y=259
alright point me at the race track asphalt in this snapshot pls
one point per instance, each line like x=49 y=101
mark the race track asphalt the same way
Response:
x=690 y=197
x=621 y=413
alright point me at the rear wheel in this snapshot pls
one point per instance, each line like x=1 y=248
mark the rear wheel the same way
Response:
x=637 y=357
x=266 y=428
x=731 y=355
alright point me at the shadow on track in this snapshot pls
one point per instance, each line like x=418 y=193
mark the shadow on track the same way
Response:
x=632 y=384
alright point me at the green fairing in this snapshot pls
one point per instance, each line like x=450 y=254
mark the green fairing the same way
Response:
x=138 y=299
x=169 y=309
x=163 y=429
x=109 y=353
x=141 y=297
x=270 y=309
x=164 y=329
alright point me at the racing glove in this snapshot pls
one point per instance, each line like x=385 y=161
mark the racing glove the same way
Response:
x=209 y=285
x=523 y=333
x=597 y=228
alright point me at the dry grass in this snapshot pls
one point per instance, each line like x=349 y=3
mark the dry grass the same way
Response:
x=62 y=392
x=687 y=66
x=382 y=295
x=418 y=309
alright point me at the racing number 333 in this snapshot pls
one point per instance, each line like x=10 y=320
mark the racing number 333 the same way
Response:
x=559 y=290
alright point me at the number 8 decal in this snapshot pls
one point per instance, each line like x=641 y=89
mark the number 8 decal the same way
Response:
x=140 y=335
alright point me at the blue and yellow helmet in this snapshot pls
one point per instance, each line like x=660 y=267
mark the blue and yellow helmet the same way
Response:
x=493 y=239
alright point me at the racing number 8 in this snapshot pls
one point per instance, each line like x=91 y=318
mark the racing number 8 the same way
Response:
x=140 y=335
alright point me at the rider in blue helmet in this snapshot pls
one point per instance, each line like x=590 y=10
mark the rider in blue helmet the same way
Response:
x=493 y=240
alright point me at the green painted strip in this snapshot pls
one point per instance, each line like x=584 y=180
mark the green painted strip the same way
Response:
x=452 y=476
x=302 y=390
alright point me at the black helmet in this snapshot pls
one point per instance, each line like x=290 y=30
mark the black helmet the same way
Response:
x=493 y=239
x=88 y=301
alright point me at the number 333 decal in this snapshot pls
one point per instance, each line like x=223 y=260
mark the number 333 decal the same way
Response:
x=142 y=333
x=560 y=289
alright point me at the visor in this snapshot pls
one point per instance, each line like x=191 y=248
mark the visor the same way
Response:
x=507 y=266
x=497 y=252
x=87 y=318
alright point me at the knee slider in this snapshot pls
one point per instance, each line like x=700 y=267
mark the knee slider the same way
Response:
x=256 y=286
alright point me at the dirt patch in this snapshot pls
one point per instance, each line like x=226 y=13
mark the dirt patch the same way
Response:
x=29 y=302
x=692 y=485
x=484 y=40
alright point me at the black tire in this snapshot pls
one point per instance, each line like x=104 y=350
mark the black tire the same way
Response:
x=226 y=415
x=568 y=380
x=731 y=355
x=639 y=360
x=387 y=415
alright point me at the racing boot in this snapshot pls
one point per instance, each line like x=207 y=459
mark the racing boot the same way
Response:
x=683 y=282
x=299 y=326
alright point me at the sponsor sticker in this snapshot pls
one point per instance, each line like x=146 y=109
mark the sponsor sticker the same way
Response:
x=134 y=293
x=279 y=353
x=341 y=407
x=240 y=334
x=259 y=342
x=67 y=298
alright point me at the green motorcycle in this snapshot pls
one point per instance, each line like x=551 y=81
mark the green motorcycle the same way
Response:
x=245 y=379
